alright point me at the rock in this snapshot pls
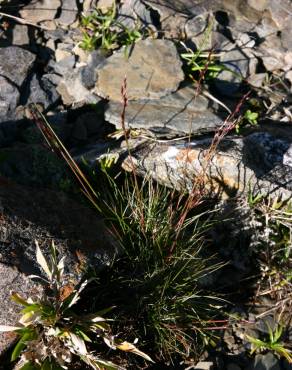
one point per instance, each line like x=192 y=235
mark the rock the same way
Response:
x=42 y=92
x=236 y=168
x=180 y=112
x=281 y=15
x=186 y=7
x=20 y=35
x=228 y=81
x=40 y=10
x=268 y=151
x=133 y=13
x=204 y=365
x=89 y=72
x=266 y=362
x=103 y=5
x=259 y=5
x=61 y=54
x=257 y=79
x=82 y=54
x=89 y=5
x=153 y=70
x=196 y=25
x=9 y=97
x=72 y=90
x=69 y=12
x=287 y=157
x=52 y=77
x=64 y=65
x=15 y=63
x=11 y=280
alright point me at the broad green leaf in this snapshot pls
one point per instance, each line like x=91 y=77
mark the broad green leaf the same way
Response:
x=19 y=347
x=21 y=344
x=42 y=261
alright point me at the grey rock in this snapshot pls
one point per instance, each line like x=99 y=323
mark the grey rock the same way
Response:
x=153 y=70
x=20 y=35
x=53 y=78
x=267 y=151
x=15 y=63
x=196 y=25
x=257 y=80
x=64 y=65
x=235 y=168
x=187 y=7
x=228 y=81
x=9 y=97
x=88 y=76
x=42 y=92
x=287 y=157
x=132 y=13
x=61 y=54
x=180 y=112
x=96 y=58
x=204 y=365
x=40 y=10
x=266 y=362
x=259 y=5
x=89 y=72
x=11 y=280
x=68 y=13
x=73 y=91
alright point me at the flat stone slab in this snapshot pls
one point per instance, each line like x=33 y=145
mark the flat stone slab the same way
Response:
x=180 y=112
x=41 y=10
x=240 y=165
x=15 y=63
x=153 y=69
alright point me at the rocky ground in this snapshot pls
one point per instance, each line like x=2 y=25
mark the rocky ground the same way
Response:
x=45 y=60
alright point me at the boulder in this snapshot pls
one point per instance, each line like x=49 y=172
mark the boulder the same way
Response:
x=153 y=69
x=40 y=10
x=15 y=63
x=240 y=165
x=181 y=112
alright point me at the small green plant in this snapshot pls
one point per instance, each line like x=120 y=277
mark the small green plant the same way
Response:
x=249 y=118
x=271 y=343
x=52 y=334
x=102 y=29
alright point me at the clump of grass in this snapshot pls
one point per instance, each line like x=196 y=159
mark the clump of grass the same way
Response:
x=162 y=269
x=157 y=283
